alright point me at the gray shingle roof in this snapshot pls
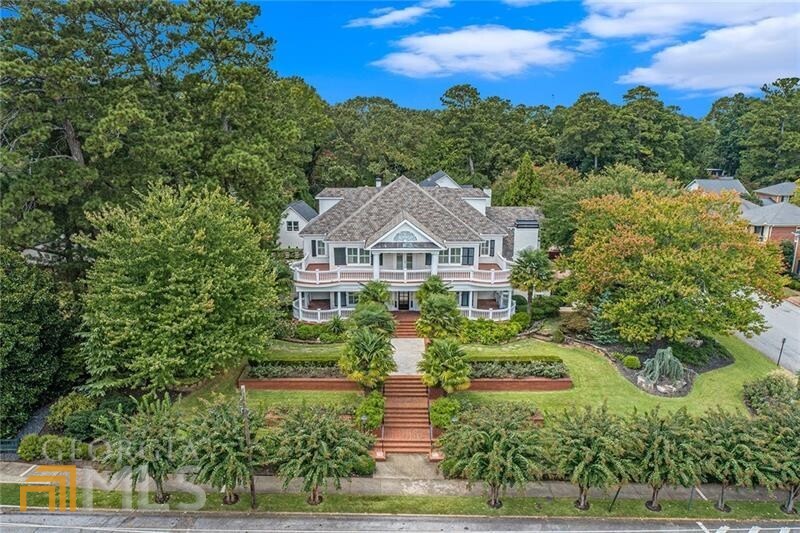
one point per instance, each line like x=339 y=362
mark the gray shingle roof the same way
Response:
x=786 y=188
x=352 y=198
x=453 y=200
x=402 y=194
x=720 y=185
x=781 y=214
x=431 y=180
x=304 y=210
x=507 y=217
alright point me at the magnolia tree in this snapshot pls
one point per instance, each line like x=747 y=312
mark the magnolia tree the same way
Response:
x=670 y=267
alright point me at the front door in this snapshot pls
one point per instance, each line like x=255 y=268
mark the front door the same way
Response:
x=403 y=301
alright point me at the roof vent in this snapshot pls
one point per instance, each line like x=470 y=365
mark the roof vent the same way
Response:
x=527 y=224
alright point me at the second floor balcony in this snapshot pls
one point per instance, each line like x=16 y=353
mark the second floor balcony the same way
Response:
x=321 y=274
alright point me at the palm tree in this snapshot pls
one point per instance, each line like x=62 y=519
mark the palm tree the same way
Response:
x=222 y=455
x=374 y=291
x=736 y=453
x=367 y=358
x=439 y=316
x=374 y=316
x=669 y=451
x=432 y=285
x=153 y=431
x=532 y=271
x=589 y=447
x=444 y=365
x=317 y=446
x=491 y=453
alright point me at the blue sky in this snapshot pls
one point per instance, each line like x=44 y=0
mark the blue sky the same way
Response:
x=534 y=52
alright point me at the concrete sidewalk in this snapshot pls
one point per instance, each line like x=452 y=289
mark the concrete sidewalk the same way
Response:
x=386 y=484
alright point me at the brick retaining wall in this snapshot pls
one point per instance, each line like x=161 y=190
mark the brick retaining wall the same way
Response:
x=318 y=384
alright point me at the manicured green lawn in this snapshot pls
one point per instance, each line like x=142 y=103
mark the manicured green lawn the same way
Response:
x=444 y=505
x=225 y=383
x=596 y=380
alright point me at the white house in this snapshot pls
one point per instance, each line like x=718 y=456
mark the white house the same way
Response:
x=402 y=233
x=293 y=220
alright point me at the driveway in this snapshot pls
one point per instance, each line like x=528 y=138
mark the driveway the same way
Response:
x=783 y=322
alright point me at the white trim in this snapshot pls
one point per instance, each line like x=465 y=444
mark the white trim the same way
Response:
x=395 y=228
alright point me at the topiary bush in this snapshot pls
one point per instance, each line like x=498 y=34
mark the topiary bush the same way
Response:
x=444 y=410
x=632 y=362
x=775 y=389
x=66 y=406
x=369 y=413
x=30 y=448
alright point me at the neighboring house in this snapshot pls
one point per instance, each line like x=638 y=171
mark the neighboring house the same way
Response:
x=718 y=185
x=402 y=233
x=294 y=218
x=774 y=222
x=775 y=194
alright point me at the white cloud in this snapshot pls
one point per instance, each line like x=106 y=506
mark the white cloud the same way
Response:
x=621 y=18
x=737 y=58
x=492 y=51
x=388 y=16
x=524 y=3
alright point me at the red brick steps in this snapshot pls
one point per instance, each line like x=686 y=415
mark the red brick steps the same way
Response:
x=406 y=325
x=406 y=427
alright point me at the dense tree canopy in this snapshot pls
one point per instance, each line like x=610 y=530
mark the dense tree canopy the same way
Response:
x=672 y=266
x=179 y=289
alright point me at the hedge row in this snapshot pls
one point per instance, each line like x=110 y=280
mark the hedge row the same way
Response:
x=295 y=369
x=518 y=369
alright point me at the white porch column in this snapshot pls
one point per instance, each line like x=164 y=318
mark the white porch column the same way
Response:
x=434 y=263
x=376 y=266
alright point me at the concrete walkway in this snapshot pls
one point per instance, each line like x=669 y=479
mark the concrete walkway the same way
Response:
x=399 y=478
x=407 y=353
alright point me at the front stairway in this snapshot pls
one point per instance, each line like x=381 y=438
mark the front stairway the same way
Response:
x=406 y=325
x=406 y=427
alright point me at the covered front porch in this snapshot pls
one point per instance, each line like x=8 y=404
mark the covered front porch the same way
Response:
x=321 y=306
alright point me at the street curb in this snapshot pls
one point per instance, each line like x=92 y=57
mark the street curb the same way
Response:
x=12 y=509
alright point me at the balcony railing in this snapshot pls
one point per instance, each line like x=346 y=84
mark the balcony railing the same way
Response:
x=490 y=314
x=325 y=277
x=324 y=315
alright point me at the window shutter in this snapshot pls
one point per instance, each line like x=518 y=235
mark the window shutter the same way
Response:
x=313 y=248
x=428 y=259
x=380 y=259
x=339 y=256
x=468 y=256
x=491 y=247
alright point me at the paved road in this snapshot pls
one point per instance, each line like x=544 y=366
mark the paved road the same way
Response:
x=150 y=522
x=784 y=322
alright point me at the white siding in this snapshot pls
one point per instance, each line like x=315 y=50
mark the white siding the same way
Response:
x=291 y=239
x=327 y=203
x=525 y=238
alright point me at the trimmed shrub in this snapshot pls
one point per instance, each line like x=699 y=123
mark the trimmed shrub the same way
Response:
x=68 y=405
x=632 y=362
x=773 y=390
x=443 y=410
x=483 y=331
x=364 y=466
x=309 y=332
x=518 y=369
x=522 y=303
x=295 y=369
x=522 y=320
x=285 y=329
x=326 y=337
x=369 y=413
x=545 y=306
x=558 y=336
x=80 y=425
x=30 y=448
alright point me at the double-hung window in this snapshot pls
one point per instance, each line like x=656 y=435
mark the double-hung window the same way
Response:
x=357 y=256
x=487 y=248
x=292 y=225
x=451 y=256
x=320 y=247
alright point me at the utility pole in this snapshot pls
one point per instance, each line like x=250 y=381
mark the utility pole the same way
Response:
x=246 y=422
x=780 y=354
